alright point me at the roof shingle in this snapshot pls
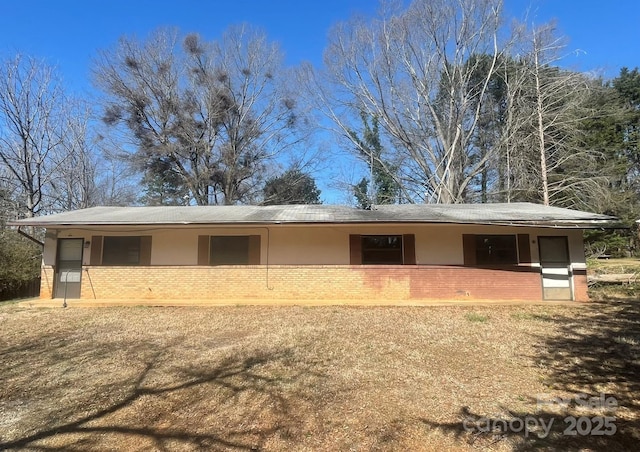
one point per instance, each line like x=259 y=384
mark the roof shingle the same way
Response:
x=513 y=213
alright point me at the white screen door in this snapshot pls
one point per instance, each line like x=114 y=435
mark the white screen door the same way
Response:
x=69 y=268
x=556 y=268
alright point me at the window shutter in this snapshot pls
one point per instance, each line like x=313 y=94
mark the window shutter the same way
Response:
x=409 y=249
x=524 y=249
x=254 y=250
x=96 y=250
x=355 y=249
x=469 y=249
x=203 y=250
x=145 y=250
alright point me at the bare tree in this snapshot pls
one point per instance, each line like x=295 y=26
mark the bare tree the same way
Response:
x=548 y=158
x=74 y=183
x=212 y=115
x=416 y=70
x=117 y=183
x=9 y=209
x=30 y=128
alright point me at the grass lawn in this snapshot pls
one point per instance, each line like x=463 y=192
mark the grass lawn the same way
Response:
x=617 y=265
x=621 y=266
x=321 y=378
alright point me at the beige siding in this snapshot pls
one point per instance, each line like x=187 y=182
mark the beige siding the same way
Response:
x=319 y=244
x=170 y=247
x=312 y=261
x=50 y=245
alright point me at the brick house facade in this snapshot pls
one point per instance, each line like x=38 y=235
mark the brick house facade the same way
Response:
x=298 y=254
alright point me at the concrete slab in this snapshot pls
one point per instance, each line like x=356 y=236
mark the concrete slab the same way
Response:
x=83 y=303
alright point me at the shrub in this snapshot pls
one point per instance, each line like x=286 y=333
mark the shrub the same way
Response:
x=19 y=261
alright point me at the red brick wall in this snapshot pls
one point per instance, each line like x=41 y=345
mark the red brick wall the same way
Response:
x=580 y=286
x=478 y=283
x=323 y=283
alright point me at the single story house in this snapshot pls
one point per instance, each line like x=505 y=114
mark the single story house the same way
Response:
x=323 y=253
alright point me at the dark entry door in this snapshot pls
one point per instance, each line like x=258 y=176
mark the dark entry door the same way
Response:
x=69 y=268
x=556 y=268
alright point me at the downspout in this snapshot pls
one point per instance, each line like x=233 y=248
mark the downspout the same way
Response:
x=33 y=239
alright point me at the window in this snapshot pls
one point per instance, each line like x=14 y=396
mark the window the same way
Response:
x=229 y=250
x=496 y=249
x=382 y=249
x=121 y=251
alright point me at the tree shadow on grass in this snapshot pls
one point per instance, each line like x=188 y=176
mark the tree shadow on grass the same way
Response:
x=541 y=430
x=230 y=378
x=597 y=348
x=594 y=353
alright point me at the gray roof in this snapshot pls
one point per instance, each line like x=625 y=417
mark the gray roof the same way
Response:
x=513 y=213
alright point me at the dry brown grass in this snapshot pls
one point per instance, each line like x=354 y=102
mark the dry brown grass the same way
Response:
x=614 y=265
x=321 y=378
x=629 y=289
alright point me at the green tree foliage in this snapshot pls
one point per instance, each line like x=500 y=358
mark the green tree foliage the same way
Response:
x=19 y=261
x=19 y=257
x=385 y=189
x=491 y=102
x=627 y=85
x=361 y=193
x=603 y=132
x=614 y=130
x=163 y=186
x=292 y=187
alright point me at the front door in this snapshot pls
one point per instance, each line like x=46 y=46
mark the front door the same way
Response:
x=68 y=268
x=556 y=268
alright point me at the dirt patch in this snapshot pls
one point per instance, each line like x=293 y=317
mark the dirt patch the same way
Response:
x=322 y=378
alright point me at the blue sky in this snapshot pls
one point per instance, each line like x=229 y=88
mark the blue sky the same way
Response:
x=68 y=32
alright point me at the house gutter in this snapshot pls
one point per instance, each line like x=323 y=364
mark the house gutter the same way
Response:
x=33 y=239
x=613 y=223
x=576 y=223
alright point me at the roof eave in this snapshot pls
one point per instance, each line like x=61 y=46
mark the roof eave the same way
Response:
x=555 y=223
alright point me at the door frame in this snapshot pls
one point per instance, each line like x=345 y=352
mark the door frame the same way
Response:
x=57 y=284
x=567 y=266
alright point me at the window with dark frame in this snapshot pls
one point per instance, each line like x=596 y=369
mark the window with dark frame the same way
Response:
x=382 y=249
x=229 y=250
x=496 y=250
x=121 y=250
